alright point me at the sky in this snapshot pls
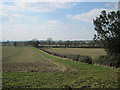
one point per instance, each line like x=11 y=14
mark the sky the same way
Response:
x=57 y=20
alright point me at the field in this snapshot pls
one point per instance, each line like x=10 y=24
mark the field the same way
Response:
x=93 y=52
x=28 y=67
x=24 y=59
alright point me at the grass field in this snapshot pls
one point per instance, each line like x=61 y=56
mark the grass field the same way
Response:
x=93 y=52
x=27 y=67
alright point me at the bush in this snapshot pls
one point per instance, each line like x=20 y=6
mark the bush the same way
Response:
x=73 y=57
x=110 y=60
x=85 y=59
x=56 y=54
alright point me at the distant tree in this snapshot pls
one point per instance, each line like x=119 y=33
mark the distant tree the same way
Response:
x=82 y=43
x=76 y=43
x=67 y=43
x=55 y=43
x=15 y=44
x=107 y=26
x=42 y=43
x=49 y=41
x=35 y=43
x=8 y=41
x=91 y=43
x=60 y=42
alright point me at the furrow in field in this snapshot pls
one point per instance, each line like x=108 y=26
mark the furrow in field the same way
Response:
x=14 y=55
x=29 y=60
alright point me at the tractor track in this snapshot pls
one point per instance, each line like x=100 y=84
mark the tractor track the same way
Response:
x=13 y=56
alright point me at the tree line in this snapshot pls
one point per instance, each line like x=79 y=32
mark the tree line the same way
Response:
x=51 y=43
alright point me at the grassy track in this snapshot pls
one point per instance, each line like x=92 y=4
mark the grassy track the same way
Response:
x=80 y=76
x=93 y=52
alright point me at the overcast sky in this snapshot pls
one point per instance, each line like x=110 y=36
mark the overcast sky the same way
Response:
x=60 y=21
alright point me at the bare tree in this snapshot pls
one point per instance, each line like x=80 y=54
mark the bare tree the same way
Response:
x=49 y=41
x=35 y=42
x=15 y=44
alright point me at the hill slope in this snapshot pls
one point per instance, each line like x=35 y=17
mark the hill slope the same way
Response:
x=33 y=68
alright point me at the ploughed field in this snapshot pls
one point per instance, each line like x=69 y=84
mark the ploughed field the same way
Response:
x=28 y=67
x=26 y=59
x=93 y=52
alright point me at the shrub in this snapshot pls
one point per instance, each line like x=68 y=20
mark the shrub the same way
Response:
x=85 y=59
x=56 y=54
x=73 y=57
x=110 y=60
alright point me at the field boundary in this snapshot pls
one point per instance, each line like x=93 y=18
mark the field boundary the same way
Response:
x=76 y=61
x=64 y=68
x=68 y=67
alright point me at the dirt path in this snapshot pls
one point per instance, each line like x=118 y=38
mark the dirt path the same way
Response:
x=61 y=67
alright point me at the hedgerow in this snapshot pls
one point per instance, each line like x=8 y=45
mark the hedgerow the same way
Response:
x=109 y=60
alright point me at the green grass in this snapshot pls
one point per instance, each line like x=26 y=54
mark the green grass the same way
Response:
x=77 y=75
x=93 y=52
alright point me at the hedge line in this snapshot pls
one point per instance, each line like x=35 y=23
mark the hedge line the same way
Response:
x=109 y=60
x=85 y=59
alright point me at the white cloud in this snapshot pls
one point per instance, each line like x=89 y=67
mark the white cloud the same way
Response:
x=87 y=16
x=11 y=18
x=69 y=16
x=53 y=21
x=28 y=32
x=38 y=7
x=34 y=19
x=14 y=11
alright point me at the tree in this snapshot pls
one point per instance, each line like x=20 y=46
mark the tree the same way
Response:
x=76 y=43
x=91 y=43
x=35 y=43
x=42 y=43
x=15 y=44
x=107 y=26
x=60 y=42
x=49 y=41
x=67 y=43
